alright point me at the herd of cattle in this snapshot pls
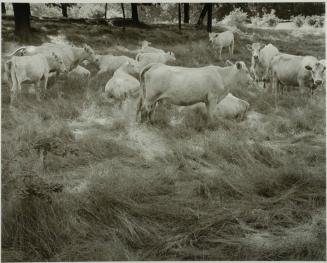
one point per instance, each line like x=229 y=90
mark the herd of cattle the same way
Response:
x=150 y=78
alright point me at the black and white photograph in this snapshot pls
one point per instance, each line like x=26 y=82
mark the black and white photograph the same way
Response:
x=163 y=131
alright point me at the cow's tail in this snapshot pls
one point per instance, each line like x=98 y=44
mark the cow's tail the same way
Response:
x=140 y=104
x=17 y=51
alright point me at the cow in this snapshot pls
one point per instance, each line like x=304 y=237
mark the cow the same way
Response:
x=33 y=69
x=303 y=71
x=144 y=59
x=110 y=63
x=72 y=56
x=122 y=84
x=187 y=86
x=260 y=60
x=79 y=72
x=323 y=62
x=221 y=40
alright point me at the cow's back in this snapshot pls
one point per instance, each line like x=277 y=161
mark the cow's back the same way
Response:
x=224 y=39
x=267 y=54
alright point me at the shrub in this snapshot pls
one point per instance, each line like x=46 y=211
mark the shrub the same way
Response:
x=315 y=21
x=298 y=20
x=236 y=17
x=270 y=19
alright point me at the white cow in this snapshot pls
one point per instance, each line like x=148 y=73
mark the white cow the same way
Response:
x=232 y=107
x=303 y=71
x=122 y=84
x=260 y=61
x=187 y=86
x=145 y=59
x=110 y=63
x=72 y=56
x=79 y=72
x=33 y=69
x=221 y=40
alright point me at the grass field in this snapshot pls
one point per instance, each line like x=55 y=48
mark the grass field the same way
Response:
x=177 y=190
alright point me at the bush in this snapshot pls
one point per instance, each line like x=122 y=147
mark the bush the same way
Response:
x=270 y=19
x=236 y=17
x=267 y=20
x=298 y=20
x=315 y=21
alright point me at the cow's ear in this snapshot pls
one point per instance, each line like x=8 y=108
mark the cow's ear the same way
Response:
x=262 y=45
x=229 y=63
x=249 y=47
x=307 y=67
x=238 y=65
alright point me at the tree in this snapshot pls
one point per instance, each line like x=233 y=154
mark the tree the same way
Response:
x=135 y=16
x=209 y=23
x=3 y=8
x=179 y=17
x=203 y=14
x=186 y=13
x=105 y=11
x=22 y=20
x=64 y=7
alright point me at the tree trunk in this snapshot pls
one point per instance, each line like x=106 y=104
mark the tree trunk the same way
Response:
x=22 y=21
x=203 y=14
x=3 y=8
x=105 y=11
x=123 y=9
x=135 y=16
x=179 y=17
x=209 y=23
x=64 y=10
x=186 y=13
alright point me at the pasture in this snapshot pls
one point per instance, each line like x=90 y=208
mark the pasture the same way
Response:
x=176 y=190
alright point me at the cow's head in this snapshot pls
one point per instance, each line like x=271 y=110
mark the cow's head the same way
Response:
x=255 y=49
x=89 y=52
x=61 y=67
x=131 y=67
x=145 y=43
x=171 y=56
x=212 y=36
x=240 y=73
x=317 y=71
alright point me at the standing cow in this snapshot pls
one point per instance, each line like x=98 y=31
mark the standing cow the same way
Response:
x=187 y=86
x=221 y=40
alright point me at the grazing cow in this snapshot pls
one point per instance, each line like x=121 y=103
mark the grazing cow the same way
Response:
x=122 y=84
x=220 y=40
x=79 y=72
x=110 y=63
x=187 y=86
x=72 y=56
x=232 y=107
x=260 y=61
x=32 y=69
x=303 y=71
x=145 y=59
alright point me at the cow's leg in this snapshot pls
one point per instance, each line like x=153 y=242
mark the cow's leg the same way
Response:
x=219 y=51
x=37 y=90
x=45 y=86
x=275 y=87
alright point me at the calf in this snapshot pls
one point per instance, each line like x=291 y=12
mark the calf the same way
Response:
x=221 y=40
x=187 y=86
x=33 y=69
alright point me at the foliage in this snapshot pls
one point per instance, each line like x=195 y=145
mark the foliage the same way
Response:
x=270 y=19
x=298 y=20
x=313 y=21
x=236 y=17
